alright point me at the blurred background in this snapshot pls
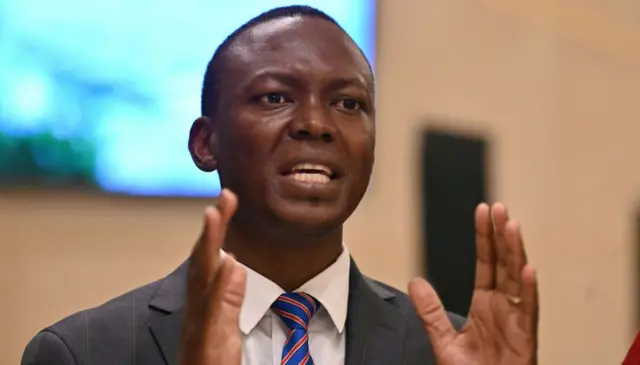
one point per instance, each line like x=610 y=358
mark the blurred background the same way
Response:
x=533 y=103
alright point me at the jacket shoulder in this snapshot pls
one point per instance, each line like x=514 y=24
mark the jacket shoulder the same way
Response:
x=417 y=348
x=125 y=310
x=404 y=305
x=102 y=332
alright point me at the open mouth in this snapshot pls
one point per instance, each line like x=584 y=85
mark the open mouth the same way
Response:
x=311 y=173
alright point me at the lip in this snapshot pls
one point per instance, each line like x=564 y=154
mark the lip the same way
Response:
x=336 y=170
x=295 y=189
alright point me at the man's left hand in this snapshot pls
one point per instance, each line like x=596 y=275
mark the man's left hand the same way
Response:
x=502 y=326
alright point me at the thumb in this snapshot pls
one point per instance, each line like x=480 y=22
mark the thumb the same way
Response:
x=229 y=293
x=236 y=284
x=432 y=313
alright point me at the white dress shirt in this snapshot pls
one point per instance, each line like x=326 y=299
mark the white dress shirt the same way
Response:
x=264 y=333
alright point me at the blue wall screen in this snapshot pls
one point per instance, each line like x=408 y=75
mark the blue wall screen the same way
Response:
x=102 y=93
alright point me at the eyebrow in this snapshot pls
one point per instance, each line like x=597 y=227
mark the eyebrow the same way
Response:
x=343 y=82
x=290 y=79
x=280 y=76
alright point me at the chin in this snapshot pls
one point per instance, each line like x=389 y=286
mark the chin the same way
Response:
x=309 y=220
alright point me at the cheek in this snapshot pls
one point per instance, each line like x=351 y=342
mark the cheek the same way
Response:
x=246 y=153
x=239 y=141
x=362 y=147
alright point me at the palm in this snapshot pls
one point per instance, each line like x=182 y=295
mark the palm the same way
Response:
x=501 y=328
x=491 y=335
x=215 y=291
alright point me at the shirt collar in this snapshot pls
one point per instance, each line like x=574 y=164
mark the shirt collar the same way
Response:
x=330 y=288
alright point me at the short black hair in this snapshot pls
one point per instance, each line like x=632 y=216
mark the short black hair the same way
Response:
x=215 y=68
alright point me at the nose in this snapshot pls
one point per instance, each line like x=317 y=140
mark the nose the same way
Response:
x=312 y=123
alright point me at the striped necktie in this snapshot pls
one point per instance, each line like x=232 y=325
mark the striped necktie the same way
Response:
x=296 y=310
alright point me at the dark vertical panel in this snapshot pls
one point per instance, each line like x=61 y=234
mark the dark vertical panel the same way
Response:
x=454 y=182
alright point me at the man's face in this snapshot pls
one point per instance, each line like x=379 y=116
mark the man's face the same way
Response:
x=294 y=133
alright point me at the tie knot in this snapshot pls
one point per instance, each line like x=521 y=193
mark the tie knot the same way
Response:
x=296 y=309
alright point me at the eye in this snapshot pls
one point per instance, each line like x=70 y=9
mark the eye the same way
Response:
x=273 y=98
x=349 y=104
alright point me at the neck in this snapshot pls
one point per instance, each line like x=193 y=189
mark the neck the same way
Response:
x=287 y=261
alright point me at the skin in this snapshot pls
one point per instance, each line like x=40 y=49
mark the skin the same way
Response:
x=298 y=89
x=287 y=102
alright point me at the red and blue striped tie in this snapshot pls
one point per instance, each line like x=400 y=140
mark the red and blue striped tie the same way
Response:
x=296 y=310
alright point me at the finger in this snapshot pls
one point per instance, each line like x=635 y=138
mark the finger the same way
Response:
x=200 y=276
x=227 y=295
x=530 y=304
x=205 y=258
x=211 y=335
x=485 y=253
x=500 y=218
x=199 y=246
x=209 y=256
x=516 y=258
x=216 y=228
x=200 y=268
x=432 y=313
x=227 y=205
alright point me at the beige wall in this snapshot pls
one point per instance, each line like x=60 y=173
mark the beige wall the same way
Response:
x=558 y=90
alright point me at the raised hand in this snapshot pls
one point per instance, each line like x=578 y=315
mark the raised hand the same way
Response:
x=210 y=334
x=502 y=325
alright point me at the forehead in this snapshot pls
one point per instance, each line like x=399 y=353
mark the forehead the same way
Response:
x=306 y=46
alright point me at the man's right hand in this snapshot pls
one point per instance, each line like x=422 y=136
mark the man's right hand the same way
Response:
x=210 y=333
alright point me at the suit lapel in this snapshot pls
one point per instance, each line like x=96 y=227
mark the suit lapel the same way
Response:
x=169 y=299
x=375 y=328
x=166 y=332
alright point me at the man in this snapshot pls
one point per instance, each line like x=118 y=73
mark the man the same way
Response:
x=288 y=121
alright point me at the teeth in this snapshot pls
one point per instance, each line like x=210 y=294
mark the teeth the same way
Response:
x=310 y=177
x=312 y=167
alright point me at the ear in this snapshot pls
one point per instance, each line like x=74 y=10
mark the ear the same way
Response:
x=201 y=144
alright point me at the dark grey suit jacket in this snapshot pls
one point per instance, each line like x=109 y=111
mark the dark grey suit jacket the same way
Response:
x=142 y=327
